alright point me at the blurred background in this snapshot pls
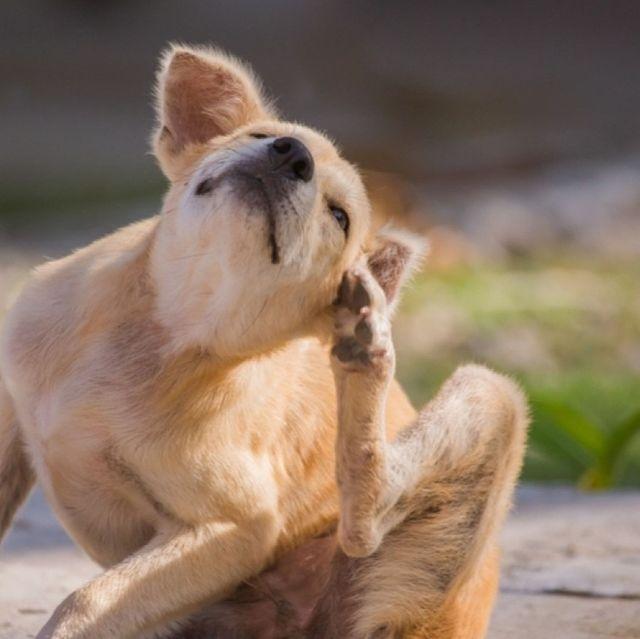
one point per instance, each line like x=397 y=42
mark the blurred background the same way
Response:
x=507 y=132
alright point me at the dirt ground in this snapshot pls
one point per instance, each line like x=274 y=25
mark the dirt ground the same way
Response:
x=571 y=568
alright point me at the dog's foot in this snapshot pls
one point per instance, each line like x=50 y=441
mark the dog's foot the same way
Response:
x=362 y=323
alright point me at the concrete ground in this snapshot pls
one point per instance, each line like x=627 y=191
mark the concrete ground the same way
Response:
x=571 y=568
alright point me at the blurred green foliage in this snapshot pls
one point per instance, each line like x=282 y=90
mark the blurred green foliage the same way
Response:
x=568 y=332
x=568 y=436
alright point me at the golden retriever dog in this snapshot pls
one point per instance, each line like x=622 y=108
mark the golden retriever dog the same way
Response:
x=207 y=398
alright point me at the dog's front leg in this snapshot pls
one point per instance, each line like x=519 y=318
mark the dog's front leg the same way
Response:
x=171 y=575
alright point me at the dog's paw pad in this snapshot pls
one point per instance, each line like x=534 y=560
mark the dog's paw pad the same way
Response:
x=346 y=349
x=363 y=330
x=362 y=327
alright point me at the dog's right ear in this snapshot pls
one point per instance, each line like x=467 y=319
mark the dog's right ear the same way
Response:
x=201 y=94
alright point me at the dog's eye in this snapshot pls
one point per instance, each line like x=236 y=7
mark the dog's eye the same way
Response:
x=204 y=187
x=259 y=136
x=341 y=217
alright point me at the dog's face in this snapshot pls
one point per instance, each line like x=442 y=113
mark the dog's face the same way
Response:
x=262 y=218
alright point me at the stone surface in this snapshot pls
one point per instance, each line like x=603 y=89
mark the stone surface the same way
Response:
x=39 y=567
x=567 y=542
x=571 y=568
x=535 y=616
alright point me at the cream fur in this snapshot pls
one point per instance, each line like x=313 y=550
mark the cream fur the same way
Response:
x=173 y=387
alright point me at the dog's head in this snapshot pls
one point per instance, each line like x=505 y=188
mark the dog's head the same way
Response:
x=262 y=217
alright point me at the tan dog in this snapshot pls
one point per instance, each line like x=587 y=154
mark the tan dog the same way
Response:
x=171 y=388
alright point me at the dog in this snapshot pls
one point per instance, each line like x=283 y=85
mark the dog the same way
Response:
x=207 y=399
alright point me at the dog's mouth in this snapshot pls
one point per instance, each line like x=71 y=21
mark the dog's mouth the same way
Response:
x=266 y=189
x=260 y=195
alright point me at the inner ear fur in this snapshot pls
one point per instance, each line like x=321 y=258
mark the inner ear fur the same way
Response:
x=392 y=259
x=202 y=93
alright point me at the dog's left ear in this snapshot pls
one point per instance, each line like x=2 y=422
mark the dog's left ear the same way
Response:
x=201 y=94
x=393 y=258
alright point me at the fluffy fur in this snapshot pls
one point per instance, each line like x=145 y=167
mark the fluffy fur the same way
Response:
x=173 y=389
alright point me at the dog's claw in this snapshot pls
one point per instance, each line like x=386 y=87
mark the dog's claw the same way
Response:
x=343 y=291
x=360 y=297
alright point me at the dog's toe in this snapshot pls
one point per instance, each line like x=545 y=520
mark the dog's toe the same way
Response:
x=363 y=331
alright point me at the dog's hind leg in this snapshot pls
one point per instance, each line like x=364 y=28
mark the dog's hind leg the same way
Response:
x=440 y=492
x=419 y=515
x=16 y=474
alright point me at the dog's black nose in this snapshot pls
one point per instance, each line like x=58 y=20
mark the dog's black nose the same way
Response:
x=291 y=157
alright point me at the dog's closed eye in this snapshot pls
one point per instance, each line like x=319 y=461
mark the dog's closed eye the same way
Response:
x=204 y=187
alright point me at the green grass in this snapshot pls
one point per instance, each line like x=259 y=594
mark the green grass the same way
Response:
x=570 y=333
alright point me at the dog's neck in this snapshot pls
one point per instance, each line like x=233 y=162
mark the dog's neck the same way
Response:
x=156 y=351
x=204 y=305
x=193 y=389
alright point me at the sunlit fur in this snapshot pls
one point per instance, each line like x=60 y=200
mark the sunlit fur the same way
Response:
x=170 y=385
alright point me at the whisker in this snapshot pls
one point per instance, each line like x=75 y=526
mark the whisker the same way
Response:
x=186 y=257
x=255 y=319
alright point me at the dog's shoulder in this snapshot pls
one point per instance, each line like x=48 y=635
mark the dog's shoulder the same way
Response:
x=68 y=301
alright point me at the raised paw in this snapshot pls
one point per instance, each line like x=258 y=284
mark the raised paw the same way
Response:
x=362 y=325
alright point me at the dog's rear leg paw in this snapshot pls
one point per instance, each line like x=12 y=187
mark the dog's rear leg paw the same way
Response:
x=362 y=332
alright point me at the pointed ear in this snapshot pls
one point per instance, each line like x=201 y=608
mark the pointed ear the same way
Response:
x=201 y=94
x=394 y=256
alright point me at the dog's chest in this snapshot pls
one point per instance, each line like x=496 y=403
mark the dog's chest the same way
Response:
x=120 y=461
x=116 y=480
